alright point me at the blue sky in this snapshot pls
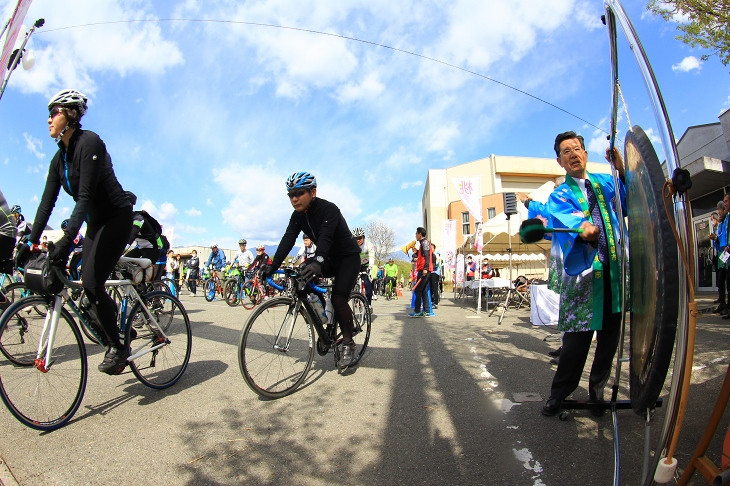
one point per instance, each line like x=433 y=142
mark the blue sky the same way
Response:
x=205 y=120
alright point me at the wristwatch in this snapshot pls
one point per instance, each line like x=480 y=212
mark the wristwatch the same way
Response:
x=319 y=259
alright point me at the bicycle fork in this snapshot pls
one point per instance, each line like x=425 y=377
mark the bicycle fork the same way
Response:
x=48 y=336
x=283 y=337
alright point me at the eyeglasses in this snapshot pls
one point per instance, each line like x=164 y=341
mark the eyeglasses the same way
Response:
x=296 y=193
x=54 y=111
x=568 y=151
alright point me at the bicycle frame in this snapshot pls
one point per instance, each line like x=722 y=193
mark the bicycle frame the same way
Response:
x=44 y=360
x=300 y=299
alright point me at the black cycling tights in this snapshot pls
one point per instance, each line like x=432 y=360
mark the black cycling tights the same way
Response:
x=345 y=271
x=102 y=248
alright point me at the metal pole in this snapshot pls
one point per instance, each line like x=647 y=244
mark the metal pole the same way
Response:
x=19 y=55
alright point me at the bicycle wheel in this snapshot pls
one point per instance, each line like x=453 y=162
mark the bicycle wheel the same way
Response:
x=160 y=366
x=361 y=323
x=230 y=291
x=42 y=400
x=276 y=350
x=210 y=288
x=16 y=291
x=249 y=295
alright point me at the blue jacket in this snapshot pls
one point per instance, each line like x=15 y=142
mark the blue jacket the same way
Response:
x=218 y=259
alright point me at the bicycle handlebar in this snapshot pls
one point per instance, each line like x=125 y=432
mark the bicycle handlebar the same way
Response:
x=310 y=285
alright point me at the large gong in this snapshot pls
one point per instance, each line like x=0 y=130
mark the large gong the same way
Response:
x=653 y=276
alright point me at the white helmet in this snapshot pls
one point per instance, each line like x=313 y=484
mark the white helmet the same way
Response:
x=69 y=98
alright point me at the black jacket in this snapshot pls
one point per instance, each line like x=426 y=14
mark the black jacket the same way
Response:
x=324 y=223
x=85 y=171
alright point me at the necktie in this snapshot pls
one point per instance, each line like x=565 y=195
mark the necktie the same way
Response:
x=597 y=221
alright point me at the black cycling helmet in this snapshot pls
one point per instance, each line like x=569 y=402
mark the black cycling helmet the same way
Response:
x=301 y=180
x=64 y=224
x=131 y=196
x=242 y=241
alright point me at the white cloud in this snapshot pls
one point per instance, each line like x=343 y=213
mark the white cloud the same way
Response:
x=409 y=184
x=369 y=88
x=403 y=220
x=33 y=145
x=689 y=63
x=70 y=57
x=193 y=212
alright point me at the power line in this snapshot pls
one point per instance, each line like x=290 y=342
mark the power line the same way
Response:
x=340 y=36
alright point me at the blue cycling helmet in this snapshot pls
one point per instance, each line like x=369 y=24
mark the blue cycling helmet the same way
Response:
x=15 y=209
x=64 y=224
x=301 y=180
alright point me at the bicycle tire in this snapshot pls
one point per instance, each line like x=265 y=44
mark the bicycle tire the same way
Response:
x=16 y=291
x=230 y=292
x=249 y=295
x=162 y=367
x=210 y=289
x=361 y=322
x=44 y=400
x=269 y=372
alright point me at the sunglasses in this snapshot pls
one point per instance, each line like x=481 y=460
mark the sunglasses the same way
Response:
x=296 y=193
x=54 y=111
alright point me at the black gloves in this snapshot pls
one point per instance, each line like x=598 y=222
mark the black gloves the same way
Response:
x=22 y=254
x=311 y=270
x=58 y=252
x=266 y=271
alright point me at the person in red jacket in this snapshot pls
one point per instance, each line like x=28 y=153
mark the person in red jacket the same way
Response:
x=424 y=267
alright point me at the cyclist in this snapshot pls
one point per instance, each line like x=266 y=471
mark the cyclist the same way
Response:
x=367 y=255
x=244 y=257
x=146 y=239
x=76 y=248
x=216 y=259
x=337 y=253
x=7 y=243
x=391 y=273
x=83 y=167
x=23 y=228
x=307 y=250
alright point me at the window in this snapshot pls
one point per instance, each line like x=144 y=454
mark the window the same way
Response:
x=465 y=225
x=491 y=212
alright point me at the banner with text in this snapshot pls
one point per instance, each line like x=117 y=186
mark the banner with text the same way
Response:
x=13 y=28
x=470 y=192
x=448 y=237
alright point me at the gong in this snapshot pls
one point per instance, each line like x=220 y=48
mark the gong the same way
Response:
x=654 y=272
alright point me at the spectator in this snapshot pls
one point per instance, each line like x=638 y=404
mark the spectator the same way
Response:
x=435 y=277
x=193 y=272
x=424 y=266
x=471 y=268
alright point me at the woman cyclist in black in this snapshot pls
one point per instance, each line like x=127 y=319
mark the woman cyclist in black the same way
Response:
x=83 y=167
x=337 y=254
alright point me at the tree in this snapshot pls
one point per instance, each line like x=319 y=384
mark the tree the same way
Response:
x=382 y=238
x=707 y=25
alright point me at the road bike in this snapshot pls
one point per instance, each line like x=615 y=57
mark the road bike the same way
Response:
x=254 y=292
x=43 y=360
x=390 y=290
x=277 y=343
x=213 y=286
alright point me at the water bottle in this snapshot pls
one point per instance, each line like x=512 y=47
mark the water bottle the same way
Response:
x=317 y=306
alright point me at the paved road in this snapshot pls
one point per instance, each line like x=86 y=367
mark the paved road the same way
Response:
x=435 y=401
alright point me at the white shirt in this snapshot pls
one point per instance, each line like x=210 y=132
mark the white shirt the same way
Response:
x=244 y=258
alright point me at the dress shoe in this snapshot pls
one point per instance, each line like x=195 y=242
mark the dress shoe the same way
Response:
x=555 y=352
x=719 y=308
x=716 y=301
x=726 y=316
x=554 y=361
x=551 y=407
x=724 y=312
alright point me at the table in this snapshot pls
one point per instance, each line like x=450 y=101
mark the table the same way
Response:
x=545 y=306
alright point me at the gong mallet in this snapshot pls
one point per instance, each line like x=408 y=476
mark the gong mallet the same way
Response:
x=533 y=230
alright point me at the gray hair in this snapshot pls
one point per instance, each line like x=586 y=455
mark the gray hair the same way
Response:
x=721 y=205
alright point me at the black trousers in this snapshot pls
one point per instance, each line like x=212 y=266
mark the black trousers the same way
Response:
x=574 y=354
x=435 y=280
x=421 y=290
x=103 y=246
x=723 y=284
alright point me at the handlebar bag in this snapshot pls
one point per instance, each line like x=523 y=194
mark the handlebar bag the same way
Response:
x=41 y=277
